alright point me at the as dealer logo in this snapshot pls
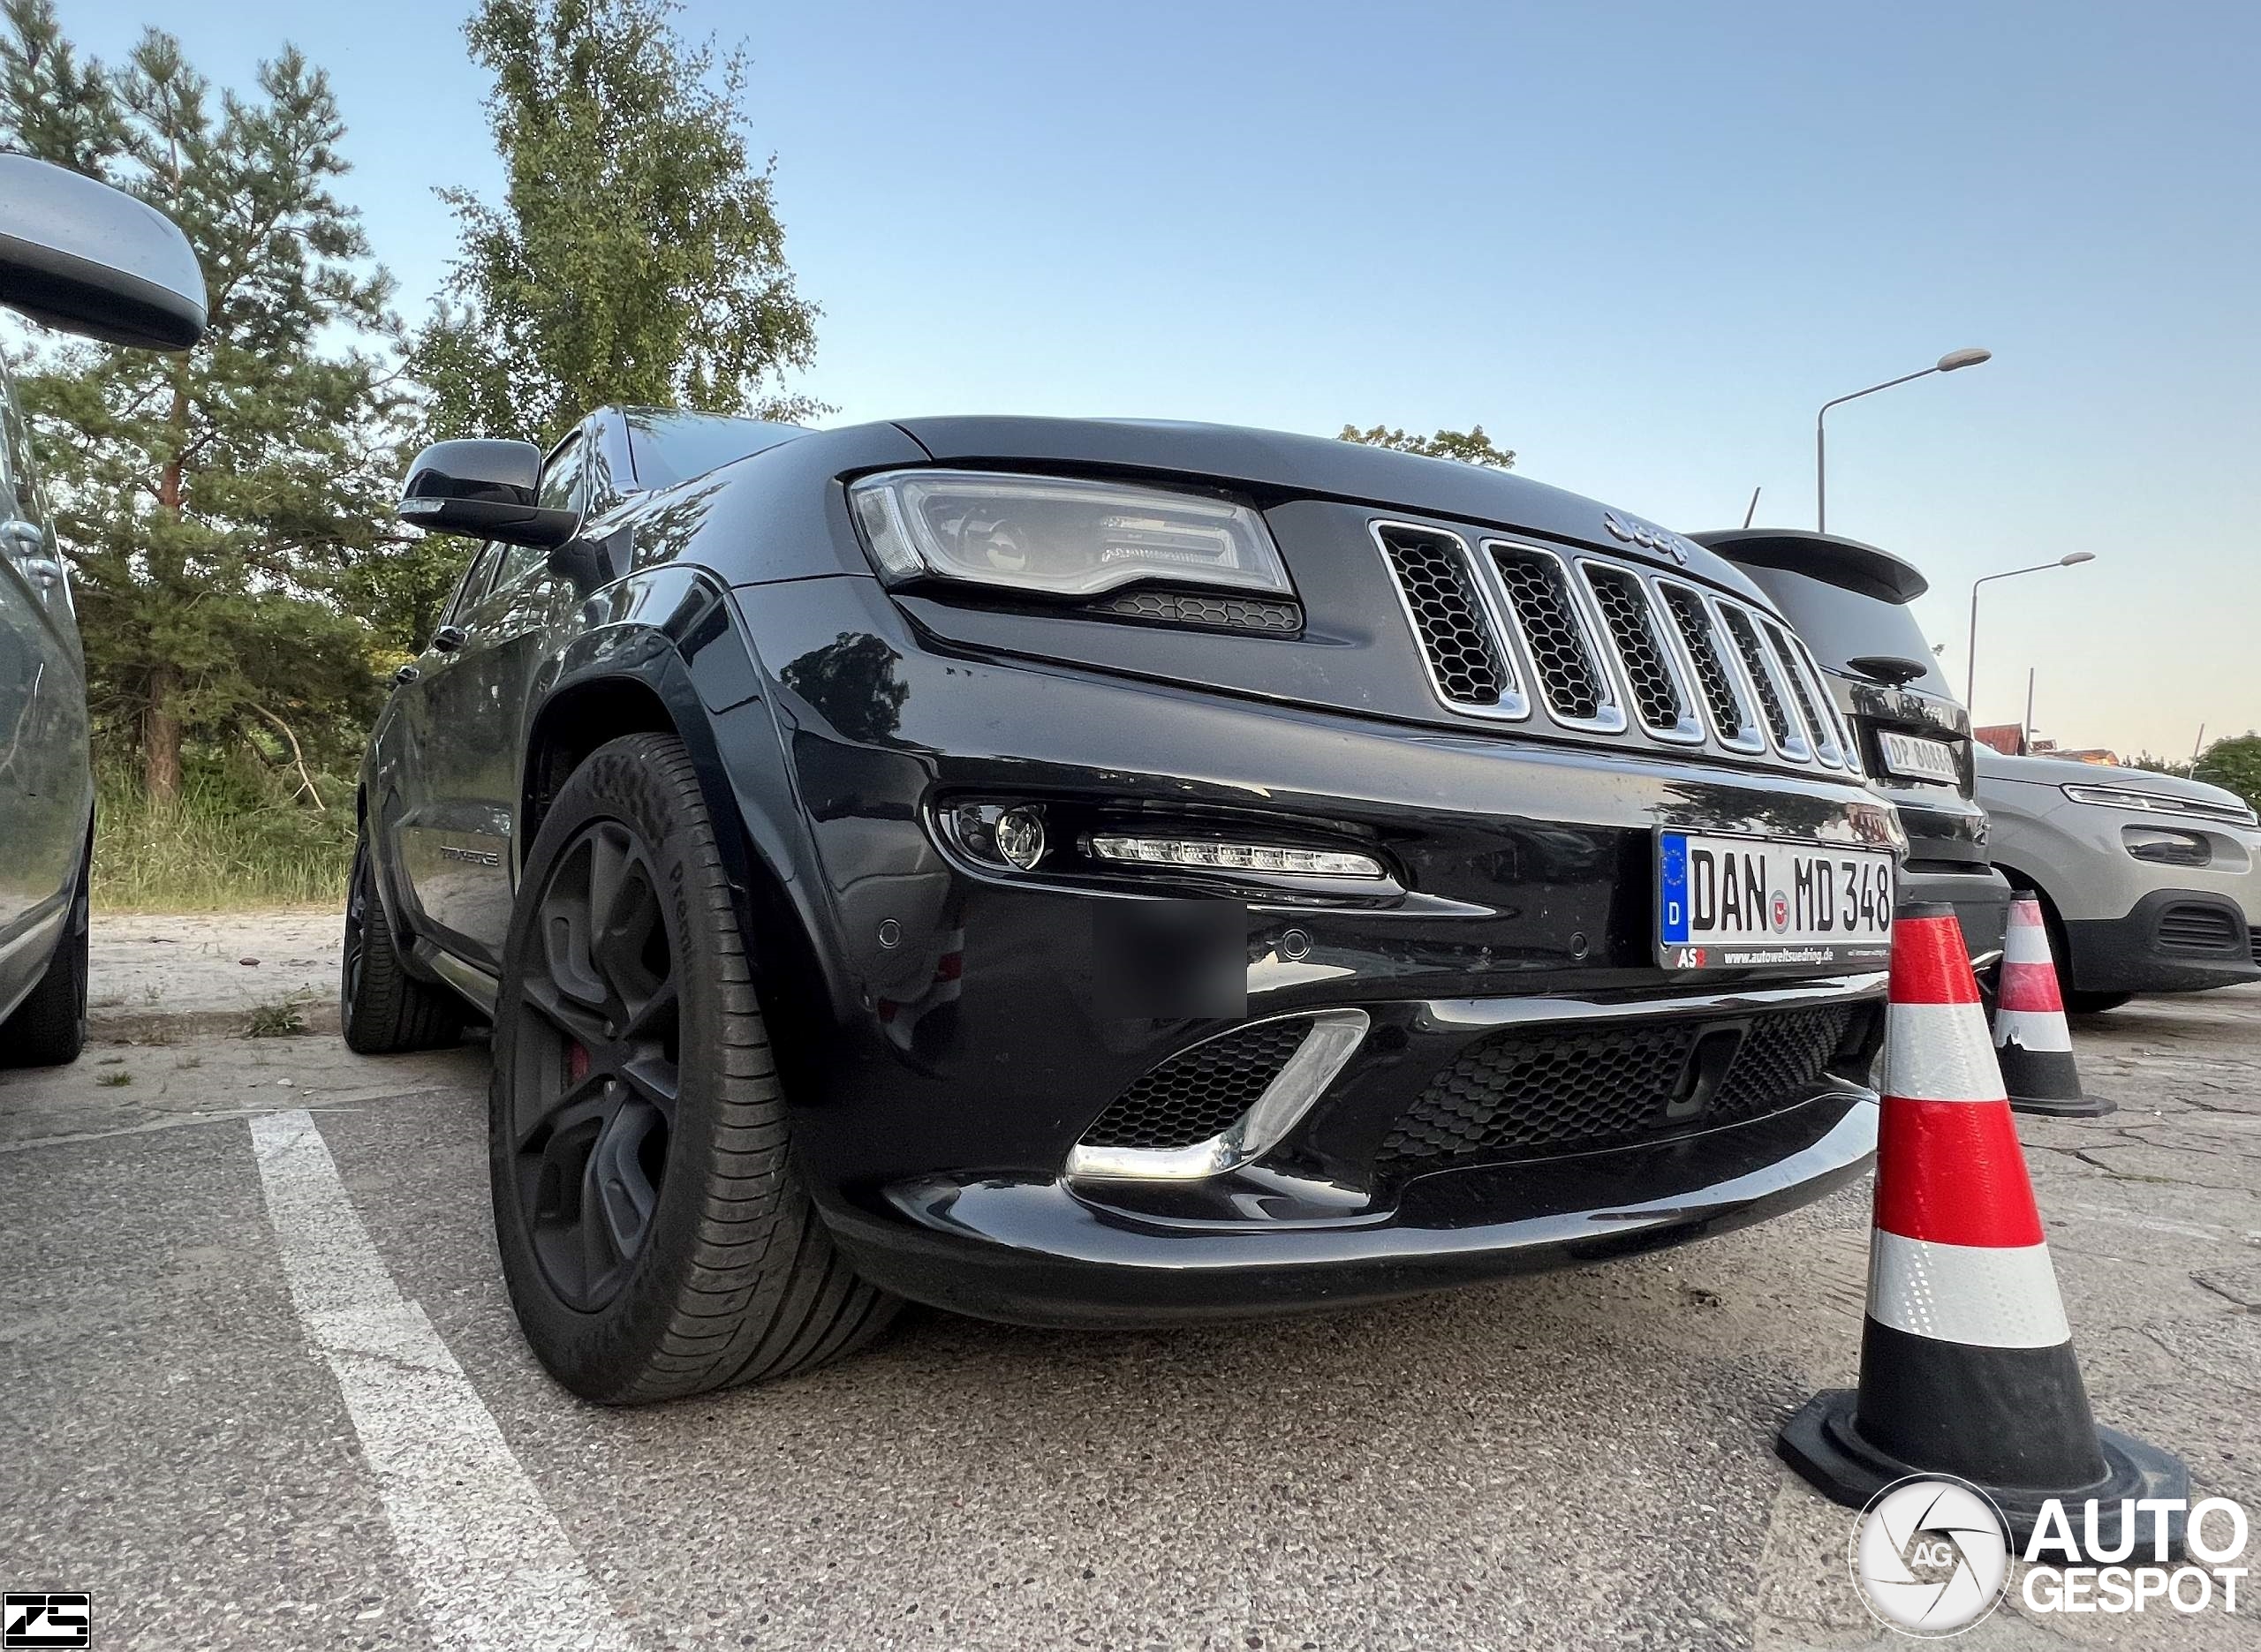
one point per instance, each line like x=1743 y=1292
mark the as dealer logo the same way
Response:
x=1930 y=1557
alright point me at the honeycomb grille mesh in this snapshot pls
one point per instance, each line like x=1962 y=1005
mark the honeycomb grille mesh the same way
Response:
x=1780 y=1055
x=1823 y=734
x=1195 y=1094
x=1524 y=1094
x=1754 y=660
x=1186 y=607
x=1703 y=647
x=1540 y=591
x=1433 y=573
x=1633 y=626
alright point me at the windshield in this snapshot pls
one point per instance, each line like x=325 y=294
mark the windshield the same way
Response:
x=1841 y=625
x=670 y=448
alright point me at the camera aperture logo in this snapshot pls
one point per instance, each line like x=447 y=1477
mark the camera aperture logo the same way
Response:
x=1930 y=1557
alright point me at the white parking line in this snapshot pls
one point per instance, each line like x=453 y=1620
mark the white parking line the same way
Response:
x=495 y=1568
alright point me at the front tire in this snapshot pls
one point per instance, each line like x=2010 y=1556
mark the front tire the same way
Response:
x=655 y=1236
x=49 y=1026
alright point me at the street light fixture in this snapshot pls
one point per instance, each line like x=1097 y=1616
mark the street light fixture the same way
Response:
x=2071 y=559
x=1952 y=361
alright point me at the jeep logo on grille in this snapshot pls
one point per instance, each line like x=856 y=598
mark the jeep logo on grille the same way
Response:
x=1633 y=532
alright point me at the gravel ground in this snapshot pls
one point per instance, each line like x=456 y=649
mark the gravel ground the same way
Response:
x=162 y=977
x=1571 y=1461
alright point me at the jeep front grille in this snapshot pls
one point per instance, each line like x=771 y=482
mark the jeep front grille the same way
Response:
x=1445 y=606
x=1565 y=662
x=1506 y=628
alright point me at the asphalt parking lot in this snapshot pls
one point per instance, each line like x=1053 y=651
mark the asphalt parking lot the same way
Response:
x=247 y=1406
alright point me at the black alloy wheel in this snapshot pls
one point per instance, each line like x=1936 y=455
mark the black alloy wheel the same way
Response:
x=595 y=1083
x=656 y=1236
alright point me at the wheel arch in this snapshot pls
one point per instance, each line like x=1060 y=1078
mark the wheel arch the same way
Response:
x=667 y=681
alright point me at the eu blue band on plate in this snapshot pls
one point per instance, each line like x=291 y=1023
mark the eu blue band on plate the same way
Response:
x=1672 y=888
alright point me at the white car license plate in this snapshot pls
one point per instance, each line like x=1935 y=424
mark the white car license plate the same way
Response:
x=1918 y=759
x=1740 y=904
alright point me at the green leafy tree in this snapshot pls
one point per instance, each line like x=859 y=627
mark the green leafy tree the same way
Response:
x=636 y=256
x=214 y=502
x=1469 y=447
x=2235 y=763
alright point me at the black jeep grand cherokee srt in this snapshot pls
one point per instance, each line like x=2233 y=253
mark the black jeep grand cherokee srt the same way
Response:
x=1080 y=872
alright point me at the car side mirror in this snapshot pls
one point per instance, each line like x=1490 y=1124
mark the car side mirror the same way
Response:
x=486 y=489
x=78 y=255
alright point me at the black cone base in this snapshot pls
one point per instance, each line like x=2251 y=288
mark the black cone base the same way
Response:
x=2047 y=1082
x=2064 y=1107
x=1823 y=1442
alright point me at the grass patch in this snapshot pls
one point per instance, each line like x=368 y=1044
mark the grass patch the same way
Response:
x=115 y=1080
x=285 y=1018
x=232 y=841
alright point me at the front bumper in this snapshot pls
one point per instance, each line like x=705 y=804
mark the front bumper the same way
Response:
x=2175 y=940
x=949 y=1042
x=1032 y=1250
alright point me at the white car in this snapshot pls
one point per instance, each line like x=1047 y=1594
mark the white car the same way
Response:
x=2148 y=882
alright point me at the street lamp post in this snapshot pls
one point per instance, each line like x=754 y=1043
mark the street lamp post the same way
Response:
x=2071 y=559
x=1949 y=363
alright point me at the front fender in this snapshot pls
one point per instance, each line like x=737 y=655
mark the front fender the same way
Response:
x=674 y=631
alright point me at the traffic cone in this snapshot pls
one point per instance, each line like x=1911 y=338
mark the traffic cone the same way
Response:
x=1967 y=1364
x=2031 y=1041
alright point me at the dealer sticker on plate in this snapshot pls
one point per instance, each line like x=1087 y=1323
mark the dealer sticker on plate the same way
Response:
x=1742 y=903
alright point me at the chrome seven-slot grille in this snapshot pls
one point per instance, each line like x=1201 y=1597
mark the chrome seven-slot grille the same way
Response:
x=1508 y=627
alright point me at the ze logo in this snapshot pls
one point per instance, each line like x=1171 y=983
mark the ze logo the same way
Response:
x=49 y=1620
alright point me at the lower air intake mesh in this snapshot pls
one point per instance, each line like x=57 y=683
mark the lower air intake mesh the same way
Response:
x=1528 y=1093
x=1194 y=1095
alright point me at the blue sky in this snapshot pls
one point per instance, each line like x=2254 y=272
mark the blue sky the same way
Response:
x=1639 y=244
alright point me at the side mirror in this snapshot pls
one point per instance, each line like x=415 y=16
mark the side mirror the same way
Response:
x=80 y=255
x=486 y=490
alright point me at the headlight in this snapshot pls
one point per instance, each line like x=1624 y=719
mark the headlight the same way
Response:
x=2158 y=802
x=1060 y=536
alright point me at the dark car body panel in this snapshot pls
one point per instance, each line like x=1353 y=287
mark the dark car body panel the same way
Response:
x=1947 y=858
x=937 y=1019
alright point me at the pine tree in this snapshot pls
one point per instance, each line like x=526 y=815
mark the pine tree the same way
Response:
x=213 y=504
x=636 y=257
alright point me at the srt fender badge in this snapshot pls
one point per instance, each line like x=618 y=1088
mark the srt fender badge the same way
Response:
x=476 y=857
x=1648 y=538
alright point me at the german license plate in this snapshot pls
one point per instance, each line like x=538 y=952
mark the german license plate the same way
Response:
x=1742 y=903
x=1919 y=759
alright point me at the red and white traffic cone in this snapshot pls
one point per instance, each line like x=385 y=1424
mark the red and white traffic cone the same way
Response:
x=2031 y=1041
x=1967 y=1365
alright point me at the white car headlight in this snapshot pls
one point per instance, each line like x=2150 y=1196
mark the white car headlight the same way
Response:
x=1060 y=536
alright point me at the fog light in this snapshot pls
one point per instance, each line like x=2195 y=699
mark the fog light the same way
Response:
x=1259 y=857
x=1019 y=837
